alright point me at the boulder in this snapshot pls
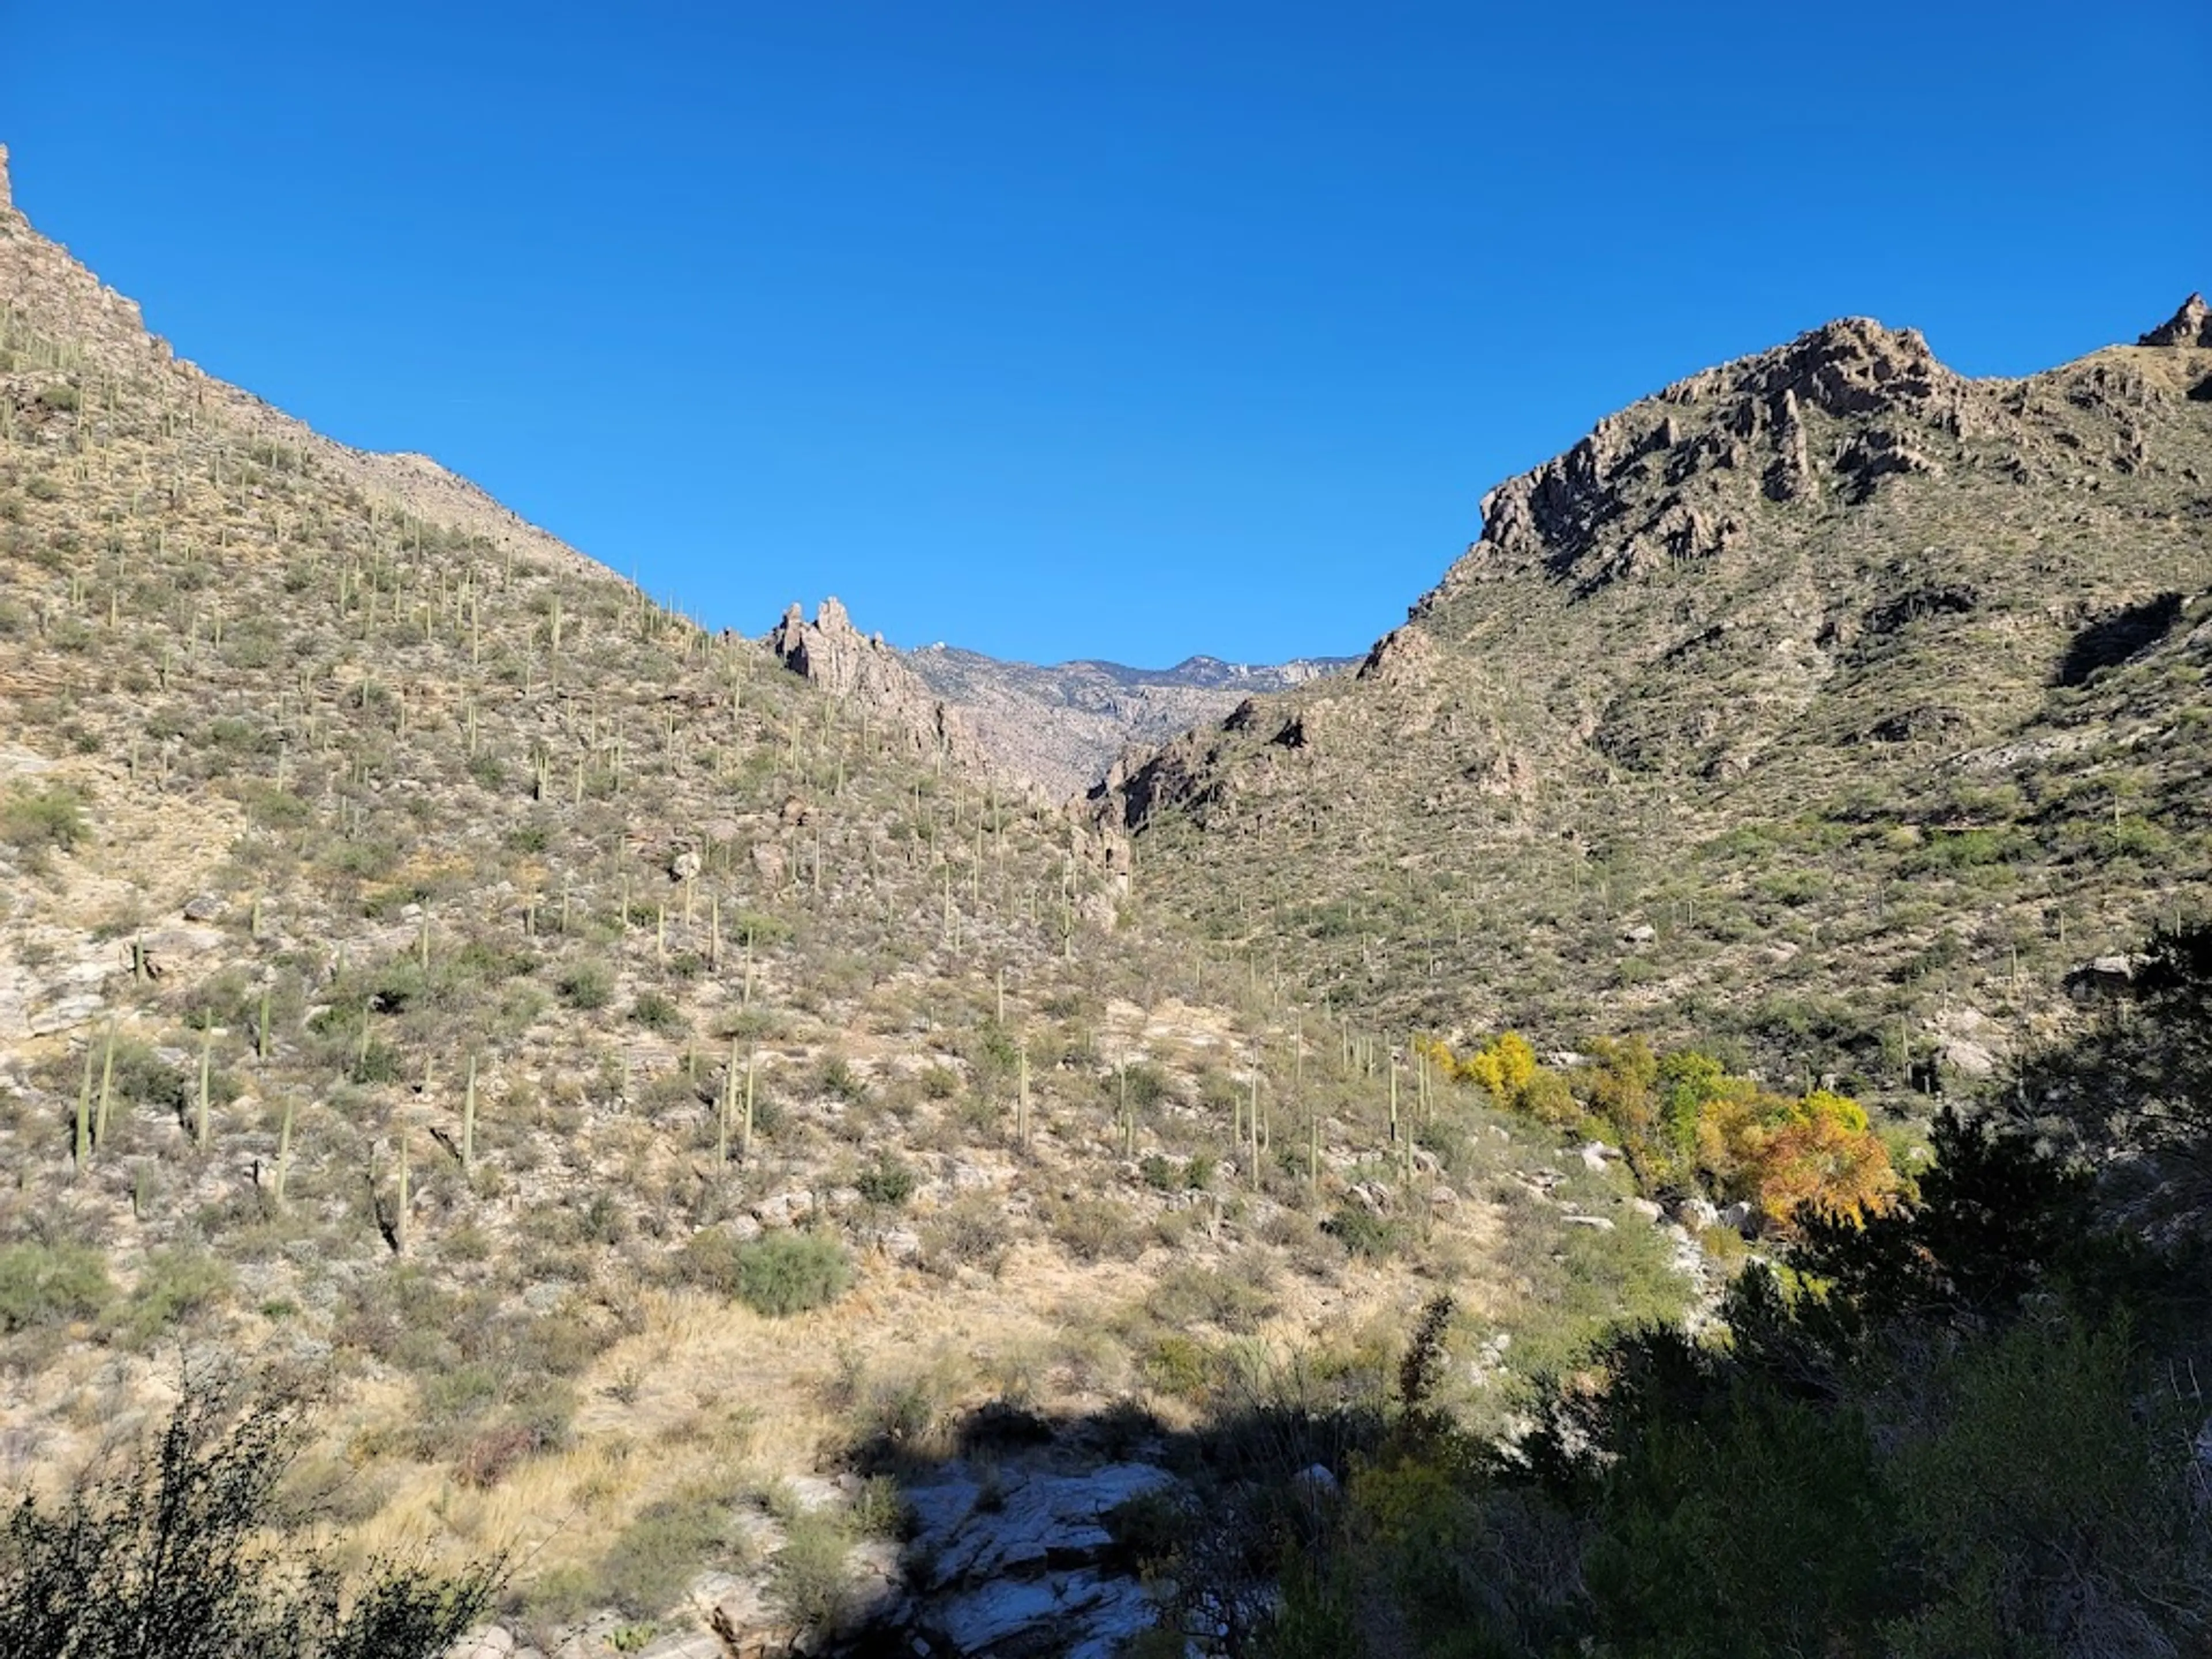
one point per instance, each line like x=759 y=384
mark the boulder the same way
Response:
x=784 y=1210
x=1018 y=1563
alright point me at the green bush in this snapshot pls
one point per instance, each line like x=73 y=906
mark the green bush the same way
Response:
x=1362 y=1233
x=782 y=1274
x=790 y=1272
x=51 y=1285
x=587 y=985
x=47 y=820
x=183 y=1549
x=658 y=1011
x=808 y=1580
x=173 y=1287
x=887 y=1182
x=646 y=1568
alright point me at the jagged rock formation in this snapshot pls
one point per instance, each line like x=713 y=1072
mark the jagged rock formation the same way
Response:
x=2192 y=326
x=1064 y=726
x=861 y=669
x=1835 y=584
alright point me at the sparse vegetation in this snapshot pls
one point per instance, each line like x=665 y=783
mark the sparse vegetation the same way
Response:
x=456 y=974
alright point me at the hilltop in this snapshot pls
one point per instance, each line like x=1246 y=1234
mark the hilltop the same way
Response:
x=1829 y=699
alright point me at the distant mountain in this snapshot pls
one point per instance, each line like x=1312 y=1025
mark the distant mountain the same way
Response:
x=1065 y=725
x=1829 y=697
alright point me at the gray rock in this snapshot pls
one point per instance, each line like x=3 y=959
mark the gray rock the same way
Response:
x=1967 y=1058
x=685 y=1644
x=1697 y=1214
x=497 y=1643
x=784 y=1209
x=1039 y=1519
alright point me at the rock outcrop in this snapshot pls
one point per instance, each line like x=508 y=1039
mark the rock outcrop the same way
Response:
x=861 y=669
x=2192 y=326
x=1018 y=1563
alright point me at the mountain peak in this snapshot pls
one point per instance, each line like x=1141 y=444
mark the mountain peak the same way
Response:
x=2192 y=326
x=7 y=195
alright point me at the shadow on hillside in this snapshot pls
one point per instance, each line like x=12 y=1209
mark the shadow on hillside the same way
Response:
x=2113 y=638
x=1034 y=1535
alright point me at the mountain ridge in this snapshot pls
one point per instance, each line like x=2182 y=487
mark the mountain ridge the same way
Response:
x=1832 y=570
x=1067 y=723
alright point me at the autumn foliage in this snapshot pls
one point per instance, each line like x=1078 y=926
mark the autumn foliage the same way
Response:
x=1688 y=1125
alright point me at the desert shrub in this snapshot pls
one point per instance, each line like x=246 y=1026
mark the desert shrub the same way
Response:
x=1205 y=1296
x=40 y=821
x=1147 y=1085
x=839 y=1080
x=180 y=1548
x=809 y=1580
x=887 y=1182
x=1362 y=1233
x=1179 y=1365
x=646 y=1568
x=782 y=1274
x=1168 y=1175
x=51 y=1285
x=173 y=1286
x=1096 y=1229
x=658 y=1011
x=973 y=1231
x=585 y=985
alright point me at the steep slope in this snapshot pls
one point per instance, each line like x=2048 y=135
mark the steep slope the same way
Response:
x=1065 y=725
x=1828 y=696
x=427 y=964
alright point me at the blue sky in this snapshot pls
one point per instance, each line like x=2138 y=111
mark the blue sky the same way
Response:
x=1065 y=329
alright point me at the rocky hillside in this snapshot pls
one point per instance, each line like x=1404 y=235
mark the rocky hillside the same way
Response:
x=1828 y=697
x=695 y=1130
x=1065 y=725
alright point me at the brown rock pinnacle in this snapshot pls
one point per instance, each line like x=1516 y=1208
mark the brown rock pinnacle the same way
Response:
x=7 y=195
x=2192 y=326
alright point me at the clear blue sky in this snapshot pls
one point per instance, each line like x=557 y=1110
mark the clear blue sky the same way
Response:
x=1057 y=328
